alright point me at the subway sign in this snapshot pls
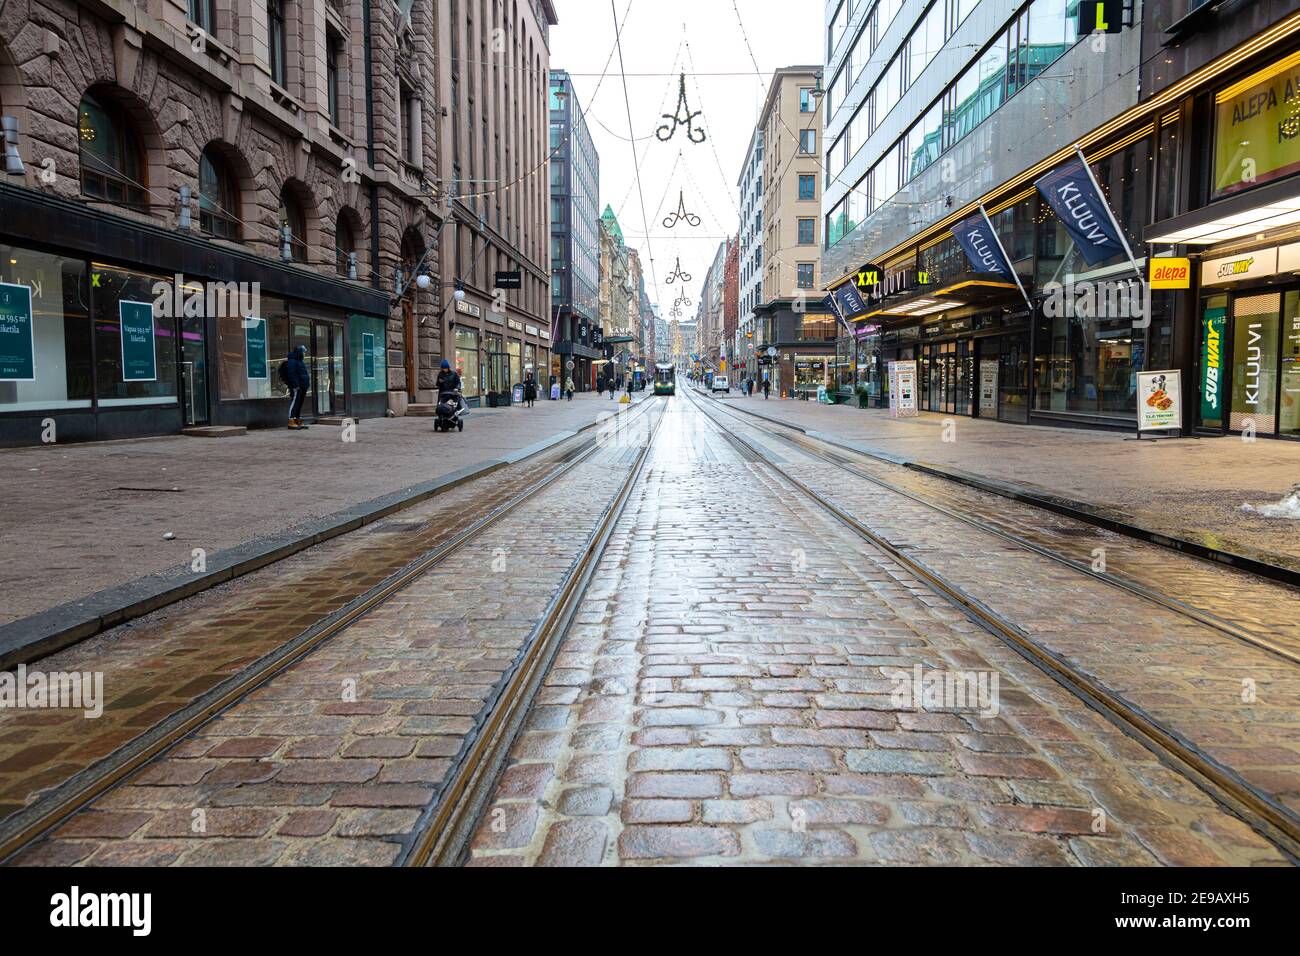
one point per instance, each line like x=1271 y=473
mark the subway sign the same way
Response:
x=1101 y=16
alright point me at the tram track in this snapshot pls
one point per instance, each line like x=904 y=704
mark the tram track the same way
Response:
x=1227 y=787
x=27 y=826
x=1136 y=588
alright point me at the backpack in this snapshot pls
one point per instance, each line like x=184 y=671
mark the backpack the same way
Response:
x=284 y=374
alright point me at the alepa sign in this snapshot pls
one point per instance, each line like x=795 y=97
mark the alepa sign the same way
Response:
x=1257 y=128
x=1165 y=272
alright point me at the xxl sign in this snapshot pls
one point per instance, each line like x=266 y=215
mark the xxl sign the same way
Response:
x=1077 y=202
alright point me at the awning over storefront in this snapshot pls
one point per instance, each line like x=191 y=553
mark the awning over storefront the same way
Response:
x=1260 y=210
x=977 y=289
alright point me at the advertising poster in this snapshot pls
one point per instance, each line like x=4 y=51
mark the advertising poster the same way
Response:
x=1213 y=324
x=17 y=338
x=255 y=349
x=902 y=389
x=1160 y=404
x=1254 y=142
x=367 y=355
x=138 y=361
x=988 y=388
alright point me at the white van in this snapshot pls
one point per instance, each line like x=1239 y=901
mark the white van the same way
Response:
x=720 y=384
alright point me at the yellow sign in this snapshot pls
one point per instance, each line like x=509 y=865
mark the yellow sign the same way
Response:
x=1170 y=273
x=1257 y=128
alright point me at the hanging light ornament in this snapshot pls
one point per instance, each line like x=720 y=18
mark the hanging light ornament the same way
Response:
x=678 y=273
x=692 y=220
x=682 y=116
x=682 y=300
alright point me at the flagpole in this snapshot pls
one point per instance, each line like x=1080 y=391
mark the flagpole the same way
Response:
x=1006 y=258
x=1119 y=228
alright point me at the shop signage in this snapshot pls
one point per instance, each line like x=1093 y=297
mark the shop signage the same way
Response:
x=1073 y=195
x=988 y=388
x=530 y=329
x=867 y=280
x=138 y=361
x=469 y=308
x=255 y=349
x=1160 y=404
x=902 y=389
x=545 y=334
x=1288 y=258
x=1213 y=325
x=510 y=280
x=515 y=324
x=1246 y=265
x=1256 y=139
x=1170 y=273
x=367 y=355
x=17 y=338
x=1101 y=16
x=977 y=239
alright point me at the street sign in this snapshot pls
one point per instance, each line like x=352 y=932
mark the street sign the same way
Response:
x=569 y=365
x=771 y=351
x=1101 y=16
x=510 y=280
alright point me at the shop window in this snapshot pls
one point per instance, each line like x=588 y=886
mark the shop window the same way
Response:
x=112 y=156
x=367 y=351
x=1167 y=185
x=1084 y=365
x=514 y=349
x=135 y=338
x=246 y=370
x=218 y=197
x=1289 y=397
x=291 y=214
x=1254 y=130
x=45 y=357
x=467 y=361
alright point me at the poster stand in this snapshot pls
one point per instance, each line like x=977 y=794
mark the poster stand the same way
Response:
x=1159 y=405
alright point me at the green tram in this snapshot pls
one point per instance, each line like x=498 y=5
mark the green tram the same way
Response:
x=665 y=379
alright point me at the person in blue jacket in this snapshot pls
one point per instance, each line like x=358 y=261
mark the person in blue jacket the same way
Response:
x=293 y=373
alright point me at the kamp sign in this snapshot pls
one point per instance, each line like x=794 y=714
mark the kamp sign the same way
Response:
x=17 y=342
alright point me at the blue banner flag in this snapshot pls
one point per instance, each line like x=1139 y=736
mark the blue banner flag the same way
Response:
x=849 y=302
x=1073 y=195
x=977 y=239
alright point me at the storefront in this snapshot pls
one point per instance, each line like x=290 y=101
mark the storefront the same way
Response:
x=105 y=349
x=796 y=346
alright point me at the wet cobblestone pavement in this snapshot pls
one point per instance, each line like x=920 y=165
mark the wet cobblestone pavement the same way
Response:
x=727 y=693
x=728 y=696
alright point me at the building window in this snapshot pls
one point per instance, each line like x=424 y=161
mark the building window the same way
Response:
x=202 y=14
x=112 y=157
x=275 y=40
x=291 y=215
x=218 y=197
x=808 y=141
x=57 y=371
x=807 y=186
x=333 y=64
x=807 y=232
x=345 y=245
x=410 y=133
x=807 y=103
x=805 y=275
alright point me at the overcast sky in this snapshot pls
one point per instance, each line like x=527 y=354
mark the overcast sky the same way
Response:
x=660 y=39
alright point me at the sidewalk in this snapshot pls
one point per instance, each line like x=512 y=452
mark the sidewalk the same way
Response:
x=1191 y=489
x=82 y=518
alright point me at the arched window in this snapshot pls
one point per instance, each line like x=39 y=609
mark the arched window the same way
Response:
x=291 y=215
x=218 y=197
x=112 y=157
x=345 y=244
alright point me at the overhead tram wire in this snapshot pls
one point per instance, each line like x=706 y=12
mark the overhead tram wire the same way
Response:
x=649 y=145
x=618 y=44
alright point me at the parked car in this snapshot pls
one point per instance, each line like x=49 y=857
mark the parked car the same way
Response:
x=720 y=384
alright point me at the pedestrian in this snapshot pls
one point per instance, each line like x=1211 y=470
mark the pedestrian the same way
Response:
x=629 y=388
x=767 y=387
x=293 y=373
x=555 y=389
x=568 y=388
x=530 y=389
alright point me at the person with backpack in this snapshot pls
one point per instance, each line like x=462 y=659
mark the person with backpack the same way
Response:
x=295 y=377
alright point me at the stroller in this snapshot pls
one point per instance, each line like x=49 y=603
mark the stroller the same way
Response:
x=449 y=412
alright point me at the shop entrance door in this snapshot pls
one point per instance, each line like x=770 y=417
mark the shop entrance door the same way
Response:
x=327 y=368
x=496 y=374
x=1013 y=378
x=194 y=371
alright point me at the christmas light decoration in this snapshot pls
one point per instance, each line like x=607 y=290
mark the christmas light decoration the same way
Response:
x=691 y=219
x=682 y=116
